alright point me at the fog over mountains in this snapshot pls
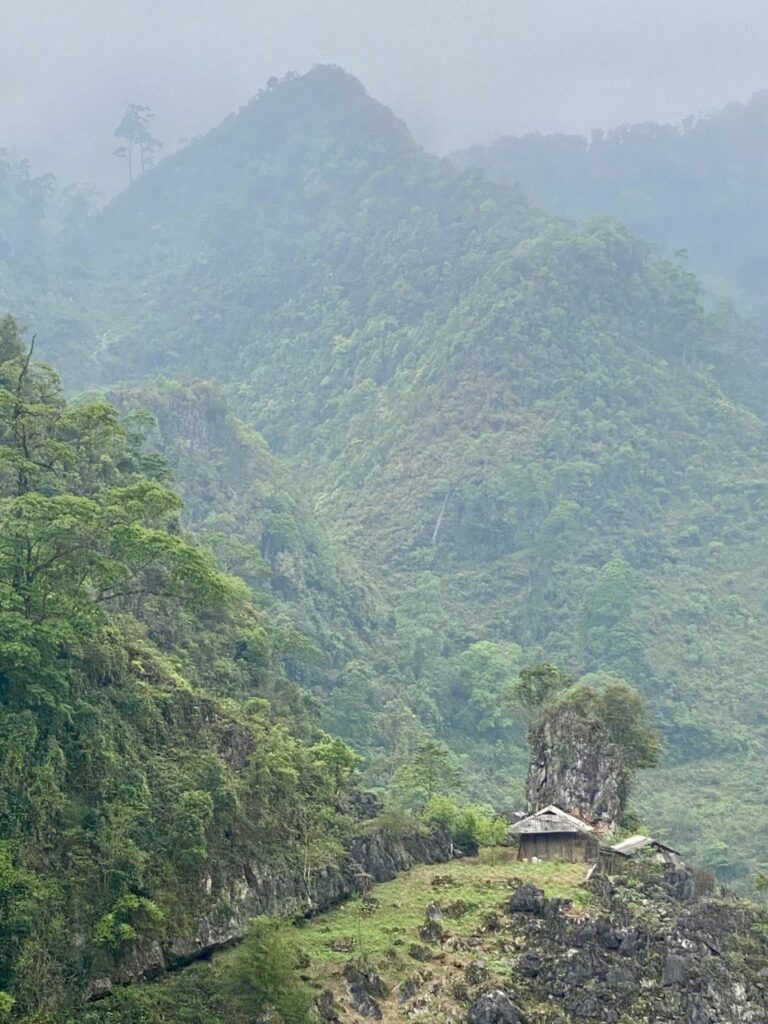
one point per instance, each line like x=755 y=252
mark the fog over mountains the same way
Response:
x=460 y=74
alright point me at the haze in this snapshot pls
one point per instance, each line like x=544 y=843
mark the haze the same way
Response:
x=458 y=72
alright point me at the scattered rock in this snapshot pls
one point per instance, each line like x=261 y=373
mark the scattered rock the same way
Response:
x=99 y=988
x=408 y=989
x=530 y=964
x=527 y=900
x=326 y=1006
x=494 y=1008
x=491 y=922
x=458 y=909
x=343 y=945
x=268 y=1016
x=359 y=973
x=443 y=882
x=432 y=932
x=476 y=972
x=434 y=913
x=421 y=953
x=363 y=984
x=460 y=992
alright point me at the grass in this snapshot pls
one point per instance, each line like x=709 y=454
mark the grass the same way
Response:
x=383 y=931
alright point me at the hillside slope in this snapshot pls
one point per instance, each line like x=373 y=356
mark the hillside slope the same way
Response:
x=502 y=941
x=698 y=186
x=526 y=435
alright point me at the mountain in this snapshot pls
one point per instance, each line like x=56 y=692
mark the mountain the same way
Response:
x=522 y=440
x=151 y=746
x=698 y=186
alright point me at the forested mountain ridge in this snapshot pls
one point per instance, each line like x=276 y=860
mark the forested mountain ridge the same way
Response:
x=241 y=252
x=699 y=186
x=525 y=437
x=152 y=750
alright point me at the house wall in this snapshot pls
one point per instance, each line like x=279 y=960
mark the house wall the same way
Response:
x=574 y=848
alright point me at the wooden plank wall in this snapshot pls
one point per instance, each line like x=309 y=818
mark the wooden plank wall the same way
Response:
x=569 y=847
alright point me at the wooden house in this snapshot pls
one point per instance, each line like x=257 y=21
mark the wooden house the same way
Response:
x=551 y=834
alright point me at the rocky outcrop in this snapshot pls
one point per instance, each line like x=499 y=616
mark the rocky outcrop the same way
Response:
x=261 y=889
x=494 y=1008
x=647 y=956
x=575 y=765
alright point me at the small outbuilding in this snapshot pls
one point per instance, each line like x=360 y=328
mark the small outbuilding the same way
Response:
x=662 y=853
x=551 y=834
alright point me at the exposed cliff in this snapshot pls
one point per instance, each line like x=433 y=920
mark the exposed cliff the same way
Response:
x=575 y=765
x=228 y=902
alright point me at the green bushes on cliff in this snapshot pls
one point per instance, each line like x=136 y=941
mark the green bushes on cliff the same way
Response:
x=121 y=786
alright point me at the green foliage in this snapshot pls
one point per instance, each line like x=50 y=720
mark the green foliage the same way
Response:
x=261 y=975
x=623 y=711
x=430 y=771
x=489 y=427
x=130 y=918
x=472 y=826
x=672 y=184
x=539 y=685
x=120 y=784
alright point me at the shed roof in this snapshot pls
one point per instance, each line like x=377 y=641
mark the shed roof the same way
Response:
x=549 y=821
x=635 y=843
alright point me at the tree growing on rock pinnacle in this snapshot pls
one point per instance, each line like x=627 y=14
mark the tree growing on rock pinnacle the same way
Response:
x=585 y=747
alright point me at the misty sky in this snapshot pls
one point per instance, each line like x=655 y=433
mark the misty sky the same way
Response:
x=459 y=71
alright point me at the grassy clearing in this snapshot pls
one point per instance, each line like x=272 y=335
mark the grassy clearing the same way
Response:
x=383 y=931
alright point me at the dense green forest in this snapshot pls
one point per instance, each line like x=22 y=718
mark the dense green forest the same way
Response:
x=122 y=778
x=698 y=186
x=440 y=435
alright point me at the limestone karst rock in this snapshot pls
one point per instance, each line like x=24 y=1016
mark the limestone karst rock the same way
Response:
x=575 y=765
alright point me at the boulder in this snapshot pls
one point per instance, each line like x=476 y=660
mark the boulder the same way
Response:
x=494 y=1008
x=408 y=989
x=326 y=1006
x=99 y=988
x=363 y=986
x=476 y=972
x=420 y=953
x=527 y=900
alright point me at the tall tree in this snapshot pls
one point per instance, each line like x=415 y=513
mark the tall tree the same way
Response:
x=139 y=142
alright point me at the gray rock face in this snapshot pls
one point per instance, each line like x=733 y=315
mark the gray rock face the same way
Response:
x=99 y=988
x=364 y=987
x=576 y=766
x=254 y=889
x=326 y=1006
x=527 y=900
x=688 y=961
x=494 y=1008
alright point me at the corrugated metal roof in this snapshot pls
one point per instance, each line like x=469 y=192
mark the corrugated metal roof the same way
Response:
x=549 y=820
x=635 y=843
x=632 y=843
